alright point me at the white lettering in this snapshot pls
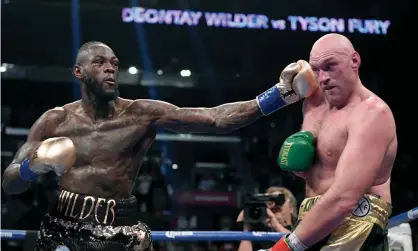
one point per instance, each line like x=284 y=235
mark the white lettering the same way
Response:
x=337 y=25
x=185 y=18
x=263 y=21
x=127 y=15
x=293 y=22
x=278 y=24
x=151 y=16
x=384 y=25
x=196 y=17
x=355 y=24
x=6 y=234
x=312 y=24
x=254 y=21
x=139 y=15
x=240 y=21
x=324 y=24
x=173 y=234
x=176 y=14
x=304 y=22
x=214 y=19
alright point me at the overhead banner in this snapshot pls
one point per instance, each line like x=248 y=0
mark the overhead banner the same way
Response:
x=254 y=21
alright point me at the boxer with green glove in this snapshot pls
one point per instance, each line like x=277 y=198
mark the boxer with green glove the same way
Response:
x=297 y=152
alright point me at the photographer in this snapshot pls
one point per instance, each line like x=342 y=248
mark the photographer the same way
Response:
x=281 y=215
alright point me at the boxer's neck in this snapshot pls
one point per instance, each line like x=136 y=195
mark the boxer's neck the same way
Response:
x=97 y=108
x=356 y=94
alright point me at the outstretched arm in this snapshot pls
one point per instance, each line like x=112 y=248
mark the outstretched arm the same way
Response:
x=219 y=119
x=370 y=135
x=296 y=82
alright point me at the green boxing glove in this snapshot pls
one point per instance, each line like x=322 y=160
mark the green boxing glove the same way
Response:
x=297 y=152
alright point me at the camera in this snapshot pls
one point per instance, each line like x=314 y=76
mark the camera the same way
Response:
x=255 y=210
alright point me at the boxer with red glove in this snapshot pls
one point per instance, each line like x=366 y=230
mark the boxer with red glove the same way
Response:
x=289 y=242
x=348 y=197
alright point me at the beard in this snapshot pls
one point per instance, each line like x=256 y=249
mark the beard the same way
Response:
x=96 y=92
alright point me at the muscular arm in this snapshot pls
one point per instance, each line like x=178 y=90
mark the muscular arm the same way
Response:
x=245 y=246
x=369 y=136
x=219 y=119
x=12 y=184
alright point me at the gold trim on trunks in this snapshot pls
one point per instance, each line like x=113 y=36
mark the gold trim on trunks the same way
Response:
x=369 y=209
x=352 y=233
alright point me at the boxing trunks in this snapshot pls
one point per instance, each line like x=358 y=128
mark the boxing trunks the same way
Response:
x=81 y=222
x=364 y=229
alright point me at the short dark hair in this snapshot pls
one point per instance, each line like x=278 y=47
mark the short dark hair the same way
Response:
x=85 y=47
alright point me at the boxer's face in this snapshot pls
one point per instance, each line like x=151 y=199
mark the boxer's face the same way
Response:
x=99 y=71
x=336 y=72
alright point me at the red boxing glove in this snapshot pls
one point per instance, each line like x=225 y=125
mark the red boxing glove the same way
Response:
x=289 y=242
x=281 y=245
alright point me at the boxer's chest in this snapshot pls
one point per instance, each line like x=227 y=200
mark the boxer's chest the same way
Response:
x=330 y=130
x=107 y=138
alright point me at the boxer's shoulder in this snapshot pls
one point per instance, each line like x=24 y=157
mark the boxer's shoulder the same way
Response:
x=124 y=103
x=146 y=102
x=372 y=111
x=46 y=123
x=371 y=106
x=69 y=108
x=140 y=106
x=152 y=108
x=374 y=102
x=58 y=111
x=55 y=115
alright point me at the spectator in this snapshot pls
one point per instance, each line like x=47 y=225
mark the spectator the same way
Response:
x=280 y=218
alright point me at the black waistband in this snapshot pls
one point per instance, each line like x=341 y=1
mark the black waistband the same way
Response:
x=94 y=210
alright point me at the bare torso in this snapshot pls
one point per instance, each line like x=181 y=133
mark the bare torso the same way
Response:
x=109 y=151
x=329 y=126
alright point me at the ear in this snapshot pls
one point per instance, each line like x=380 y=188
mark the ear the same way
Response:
x=355 y=61
x=78 y=72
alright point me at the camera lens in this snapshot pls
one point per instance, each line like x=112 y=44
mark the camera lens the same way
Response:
x=255 y=213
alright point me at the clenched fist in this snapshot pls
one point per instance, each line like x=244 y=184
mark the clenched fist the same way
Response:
x=297 y=81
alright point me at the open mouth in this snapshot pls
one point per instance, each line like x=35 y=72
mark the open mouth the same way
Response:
x=109 y=82
x=327 y=88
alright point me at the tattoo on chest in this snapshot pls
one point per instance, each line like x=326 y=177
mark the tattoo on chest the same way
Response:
x=35 y=154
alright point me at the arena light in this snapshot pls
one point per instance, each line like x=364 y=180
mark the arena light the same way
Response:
x=185 y=73
x=3 y=69
x=160 y=72
x=175 y=166
x=132 y=70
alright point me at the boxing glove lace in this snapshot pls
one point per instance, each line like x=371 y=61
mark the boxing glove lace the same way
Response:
x=297 y=81
x=289 y=242
x=54 y=154
x=297 y=152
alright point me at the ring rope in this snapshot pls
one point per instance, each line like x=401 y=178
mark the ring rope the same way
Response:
x=218 y=235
